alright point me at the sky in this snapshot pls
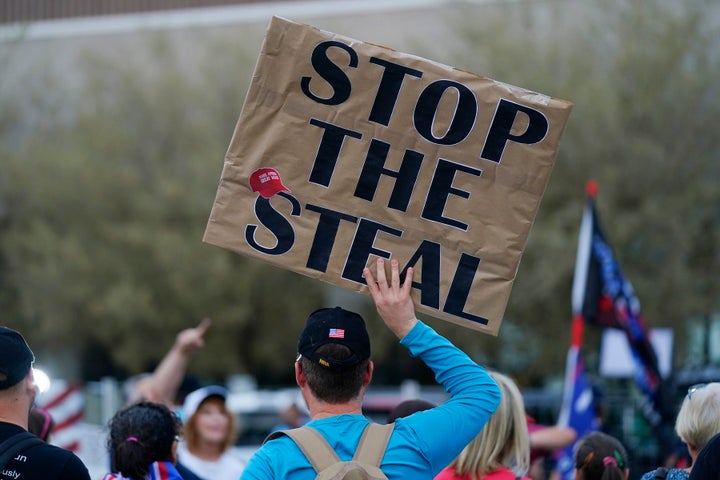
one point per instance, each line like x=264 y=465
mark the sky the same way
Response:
x=210 y=16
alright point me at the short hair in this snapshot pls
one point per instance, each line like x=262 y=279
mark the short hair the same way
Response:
x=600 y=456
x=336 y=385
x=139 y=435
x=192 y=435
x=699 y=417
x=504 y=441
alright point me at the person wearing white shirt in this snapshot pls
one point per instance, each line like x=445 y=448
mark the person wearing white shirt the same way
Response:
x=208 y=435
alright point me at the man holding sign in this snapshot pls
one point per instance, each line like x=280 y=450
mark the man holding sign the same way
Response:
x=333 y=370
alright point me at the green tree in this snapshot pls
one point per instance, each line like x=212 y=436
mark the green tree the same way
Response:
x=109 y=171
x=105 y=214
x=643 y=78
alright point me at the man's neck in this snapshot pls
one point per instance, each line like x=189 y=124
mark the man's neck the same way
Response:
x=13 y=415
x=325 y=410
x=320 y=409
x=16 y=401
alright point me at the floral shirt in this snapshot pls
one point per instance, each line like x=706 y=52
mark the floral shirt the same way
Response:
x=672 y=474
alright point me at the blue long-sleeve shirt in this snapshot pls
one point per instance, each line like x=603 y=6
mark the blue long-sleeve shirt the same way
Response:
x=421 y=444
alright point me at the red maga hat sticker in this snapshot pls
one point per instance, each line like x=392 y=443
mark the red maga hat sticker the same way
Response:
x=267 y=182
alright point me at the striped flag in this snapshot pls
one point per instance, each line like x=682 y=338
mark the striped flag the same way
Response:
x=163 y=471
x=66 y=404
x=336 y=333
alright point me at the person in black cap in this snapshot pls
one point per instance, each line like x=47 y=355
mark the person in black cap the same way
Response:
x=333 y=369
x=39 y=460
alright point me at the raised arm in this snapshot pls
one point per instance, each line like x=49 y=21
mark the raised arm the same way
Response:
x=551 y=438
x=165 y=381
x=441 y=432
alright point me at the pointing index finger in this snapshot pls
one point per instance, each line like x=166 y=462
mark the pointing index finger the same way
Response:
x=203 y=326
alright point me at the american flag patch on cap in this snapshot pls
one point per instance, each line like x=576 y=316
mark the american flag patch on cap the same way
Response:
x=336 y=333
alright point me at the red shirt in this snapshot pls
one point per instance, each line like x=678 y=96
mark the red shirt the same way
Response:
x=501 y=473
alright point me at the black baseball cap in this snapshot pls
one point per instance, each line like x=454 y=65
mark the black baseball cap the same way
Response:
x=334 y=325
x=16 y=358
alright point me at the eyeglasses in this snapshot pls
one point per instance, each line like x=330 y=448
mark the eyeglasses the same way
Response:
x=298 y=357
x=694 y=389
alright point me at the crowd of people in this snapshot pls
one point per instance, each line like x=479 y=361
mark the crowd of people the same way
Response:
x=480 y=433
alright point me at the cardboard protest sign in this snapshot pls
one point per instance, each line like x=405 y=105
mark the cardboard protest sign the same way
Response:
x=345 y=151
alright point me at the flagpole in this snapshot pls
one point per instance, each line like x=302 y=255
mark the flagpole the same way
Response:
x=582 y=257
x=577 y=329
x=577 y=410
x=582 y=262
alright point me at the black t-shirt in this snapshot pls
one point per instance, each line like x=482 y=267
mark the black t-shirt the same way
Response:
x=41 y=462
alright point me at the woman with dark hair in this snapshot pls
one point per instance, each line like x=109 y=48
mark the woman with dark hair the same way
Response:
x=142 y=442
x=599 y=456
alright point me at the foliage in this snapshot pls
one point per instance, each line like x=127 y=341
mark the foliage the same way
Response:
x=108 y=176
x=105 y=215
x=643 y=78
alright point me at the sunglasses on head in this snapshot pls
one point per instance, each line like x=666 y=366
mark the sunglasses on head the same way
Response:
x=695 y=388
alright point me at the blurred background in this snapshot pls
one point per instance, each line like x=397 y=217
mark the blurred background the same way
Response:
x=115 y=117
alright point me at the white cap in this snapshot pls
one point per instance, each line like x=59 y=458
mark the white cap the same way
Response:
x=196 y=397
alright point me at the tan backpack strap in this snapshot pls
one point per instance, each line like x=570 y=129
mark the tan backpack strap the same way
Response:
x=314 y=446
x=373 y=442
